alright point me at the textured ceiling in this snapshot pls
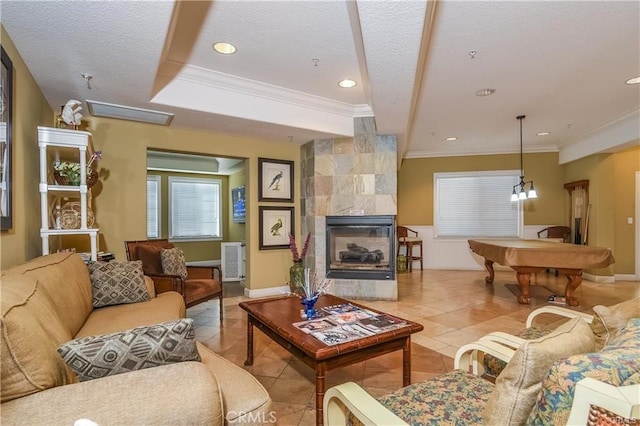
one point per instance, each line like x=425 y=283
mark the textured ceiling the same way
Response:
x=563 y=64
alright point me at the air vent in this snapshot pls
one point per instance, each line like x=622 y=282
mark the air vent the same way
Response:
x=121 y=112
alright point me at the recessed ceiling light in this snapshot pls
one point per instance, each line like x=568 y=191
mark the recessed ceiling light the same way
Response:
x=451 y=139
x=224 y=48
x=485 y=92
x=543 y=134
x=635 y=80
x=347 y=83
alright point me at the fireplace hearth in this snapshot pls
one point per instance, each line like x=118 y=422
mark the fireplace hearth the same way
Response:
x=360 y=247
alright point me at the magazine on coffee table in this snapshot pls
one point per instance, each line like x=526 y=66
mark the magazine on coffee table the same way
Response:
x=343 y=323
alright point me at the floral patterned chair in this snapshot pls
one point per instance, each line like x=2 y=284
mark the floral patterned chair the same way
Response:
x=492 y=367
x=603 y=322
x=543 y=382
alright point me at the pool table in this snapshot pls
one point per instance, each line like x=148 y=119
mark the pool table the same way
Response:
x=527 y=257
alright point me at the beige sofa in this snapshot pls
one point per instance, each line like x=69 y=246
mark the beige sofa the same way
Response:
x=48 y=301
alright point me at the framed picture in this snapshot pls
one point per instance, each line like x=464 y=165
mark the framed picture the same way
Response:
x=6 y=114
x=275 y=225
x=238 y=201
x=275 y=180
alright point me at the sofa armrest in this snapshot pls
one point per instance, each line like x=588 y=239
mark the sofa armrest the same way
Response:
x=469 y=356
x=557 y=310
x=347 y=398
x=622 y=401
x=193 y=397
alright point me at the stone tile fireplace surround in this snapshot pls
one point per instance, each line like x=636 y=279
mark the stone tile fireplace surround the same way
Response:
x=348 y=177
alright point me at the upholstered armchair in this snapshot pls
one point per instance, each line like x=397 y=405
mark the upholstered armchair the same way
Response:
x=197 y=284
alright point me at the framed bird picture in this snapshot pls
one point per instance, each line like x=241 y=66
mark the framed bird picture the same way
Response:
x=275 y=180
x=275 y=225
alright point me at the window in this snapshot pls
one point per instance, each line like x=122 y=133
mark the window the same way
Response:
x=153 y=206
x=476 y=204
x=194 y=209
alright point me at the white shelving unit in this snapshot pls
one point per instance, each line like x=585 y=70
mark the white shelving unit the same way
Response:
x=63 y=144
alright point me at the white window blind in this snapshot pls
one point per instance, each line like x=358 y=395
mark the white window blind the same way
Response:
x=153 y=206
x=477 y=204
x=194 y=208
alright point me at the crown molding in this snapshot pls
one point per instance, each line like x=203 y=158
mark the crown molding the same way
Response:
x=234 y=84
x=432 y=154
x=603 y=138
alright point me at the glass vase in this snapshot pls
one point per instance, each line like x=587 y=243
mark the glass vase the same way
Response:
x=309 y=305
x=296 y=277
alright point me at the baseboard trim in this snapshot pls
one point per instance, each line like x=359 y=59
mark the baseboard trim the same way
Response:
x=627 y=277
x=266 y=292
x=599 y=278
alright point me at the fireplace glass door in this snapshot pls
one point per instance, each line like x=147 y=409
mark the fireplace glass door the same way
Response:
x=361 y=247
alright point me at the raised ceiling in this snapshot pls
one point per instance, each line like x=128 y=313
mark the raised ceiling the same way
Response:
x=562 y=64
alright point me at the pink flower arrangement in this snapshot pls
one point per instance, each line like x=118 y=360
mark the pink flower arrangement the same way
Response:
x=294 y=248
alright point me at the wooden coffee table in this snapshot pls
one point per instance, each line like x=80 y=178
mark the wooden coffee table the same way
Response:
x=275 y=318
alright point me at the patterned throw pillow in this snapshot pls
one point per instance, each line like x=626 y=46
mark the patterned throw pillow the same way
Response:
x=115 y=283
x=93 y=357
x=173 y=262
x=608 y=321
x=517 y=386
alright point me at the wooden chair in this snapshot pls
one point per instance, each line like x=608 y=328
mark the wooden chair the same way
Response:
x=409 y=243
x=556 y=232
x=561 y=234
x=203 y=282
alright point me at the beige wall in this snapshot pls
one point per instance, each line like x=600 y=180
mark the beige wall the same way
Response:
x=415 y=185
x=612 y=199
x=626 y=164
x=120 y=207
x=611 y=194
x=30 y=110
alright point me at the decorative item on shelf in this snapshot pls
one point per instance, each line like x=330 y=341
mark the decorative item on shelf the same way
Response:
x=92 y=173
x=68 y=173
x=71 y=217
x=71 y=114
x=296 y=272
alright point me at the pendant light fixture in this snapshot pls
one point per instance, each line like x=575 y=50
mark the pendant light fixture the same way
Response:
x=519 y=192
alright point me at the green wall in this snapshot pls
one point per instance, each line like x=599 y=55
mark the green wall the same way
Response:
x=196 y=250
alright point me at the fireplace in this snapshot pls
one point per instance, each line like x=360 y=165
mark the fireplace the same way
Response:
x=361 y=247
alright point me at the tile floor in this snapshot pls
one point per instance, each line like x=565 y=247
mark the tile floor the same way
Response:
x=455 y=307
